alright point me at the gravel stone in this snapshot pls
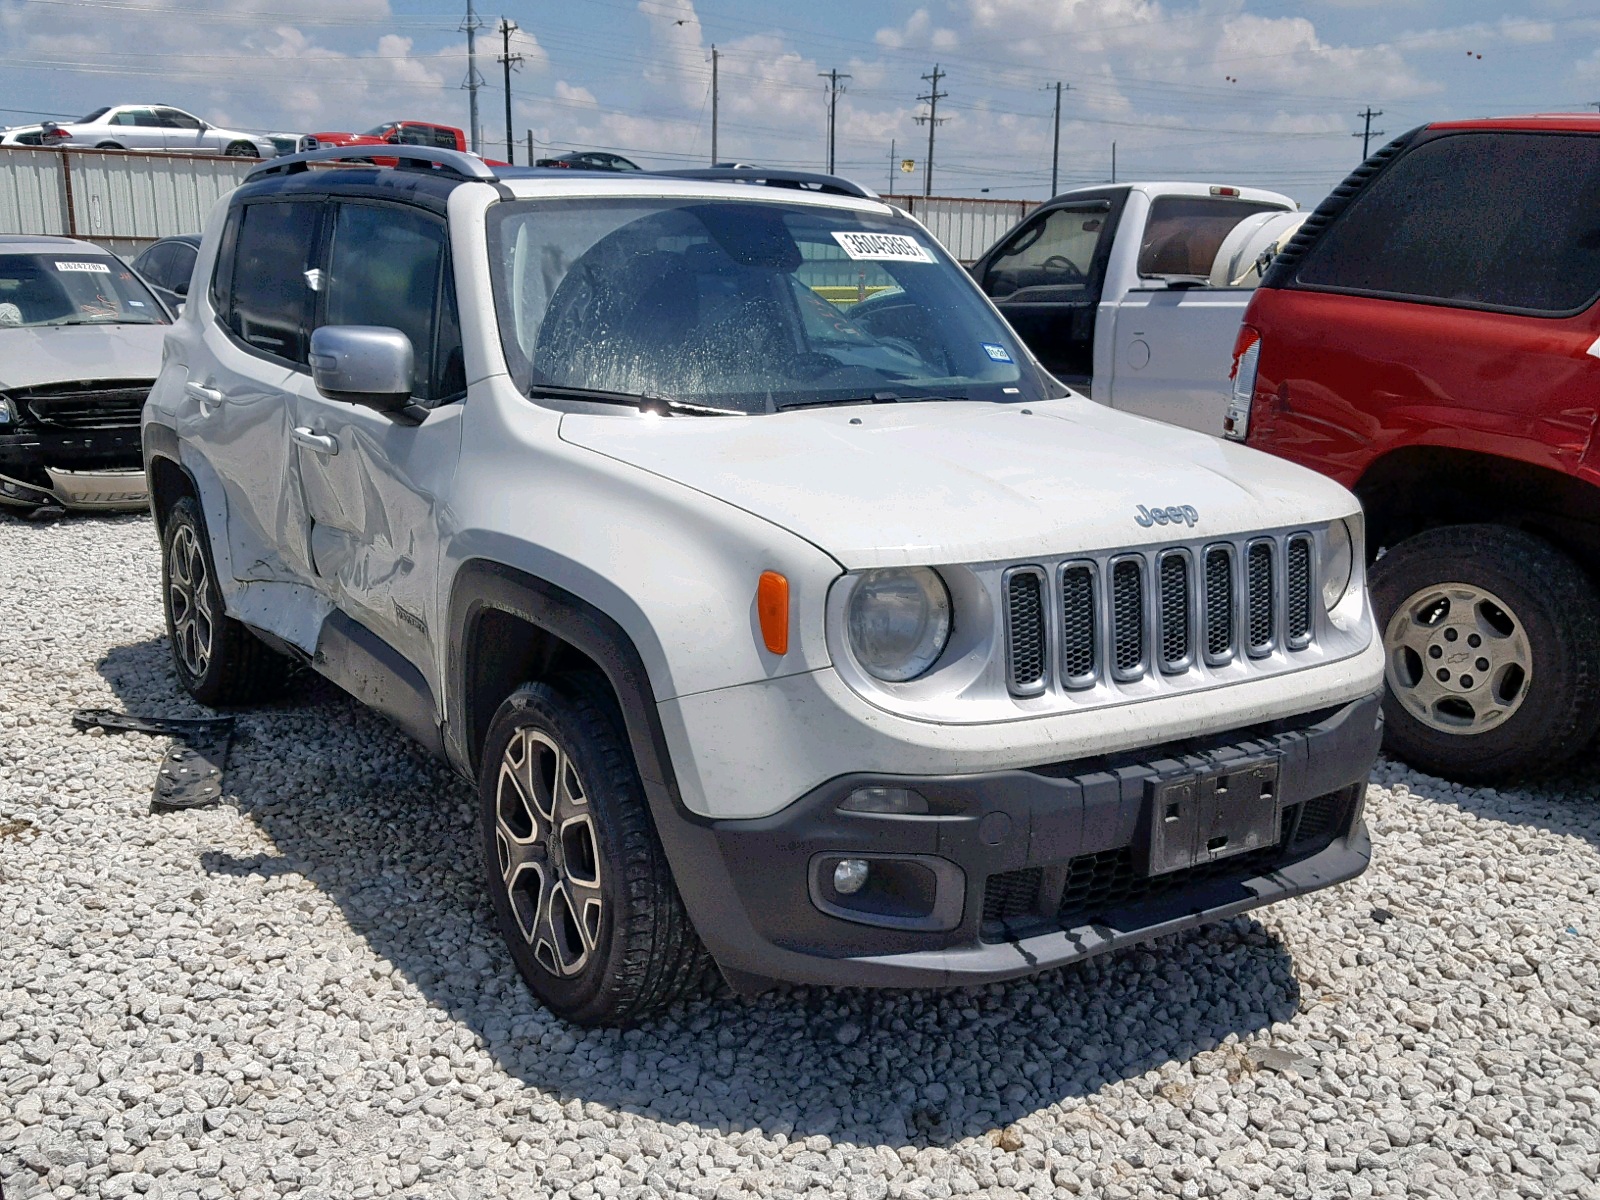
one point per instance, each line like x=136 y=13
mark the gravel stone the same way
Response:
x=300 y=992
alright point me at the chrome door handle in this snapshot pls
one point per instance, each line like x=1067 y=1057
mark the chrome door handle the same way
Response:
x=322 y=443
x=209 y=398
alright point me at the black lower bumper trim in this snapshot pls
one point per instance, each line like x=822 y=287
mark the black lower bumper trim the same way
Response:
x=1047 y=860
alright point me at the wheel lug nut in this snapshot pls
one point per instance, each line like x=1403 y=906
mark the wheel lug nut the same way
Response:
x=1466 y=681
x=1435 y=652
x=1444 y=676
x=1482 y=664
x=1474 y=640
x=1450 y=635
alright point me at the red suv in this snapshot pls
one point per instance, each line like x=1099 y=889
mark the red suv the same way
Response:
x=1430 y=339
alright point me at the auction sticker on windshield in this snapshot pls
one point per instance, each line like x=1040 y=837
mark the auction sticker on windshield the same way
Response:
x=882 y=247
x=99 y=268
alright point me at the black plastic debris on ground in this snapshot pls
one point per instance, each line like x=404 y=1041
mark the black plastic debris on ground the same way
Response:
x=191 y=774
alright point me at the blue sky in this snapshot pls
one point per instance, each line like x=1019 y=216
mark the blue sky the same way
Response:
x=1261 y=92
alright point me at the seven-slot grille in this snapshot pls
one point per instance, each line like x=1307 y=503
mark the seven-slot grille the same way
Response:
x=1163 y=611
x=98 y=404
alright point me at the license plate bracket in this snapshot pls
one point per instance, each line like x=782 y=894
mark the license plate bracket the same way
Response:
x=1209 y=815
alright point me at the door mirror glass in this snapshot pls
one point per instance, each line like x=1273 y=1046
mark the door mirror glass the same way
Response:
x=363 y=364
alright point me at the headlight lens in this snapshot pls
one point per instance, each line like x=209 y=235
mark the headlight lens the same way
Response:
x=8 y=411
x=899 y=622
x=1338 y=561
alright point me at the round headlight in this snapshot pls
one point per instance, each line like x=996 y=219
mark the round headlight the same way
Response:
x=1338 y=560
x=899 y=622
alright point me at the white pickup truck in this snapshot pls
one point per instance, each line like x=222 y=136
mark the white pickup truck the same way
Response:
x=1126 y=291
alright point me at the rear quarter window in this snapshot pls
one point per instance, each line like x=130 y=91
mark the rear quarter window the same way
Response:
x=1500 y=221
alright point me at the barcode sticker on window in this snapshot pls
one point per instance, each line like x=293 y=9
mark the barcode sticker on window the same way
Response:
x=882 y=247
x=97 y=268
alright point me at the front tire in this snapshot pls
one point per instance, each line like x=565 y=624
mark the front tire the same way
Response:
x=1492 y=644
x=218 y=661
x=581 y=888
x=241 y=150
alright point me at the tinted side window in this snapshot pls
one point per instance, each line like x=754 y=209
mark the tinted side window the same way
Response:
x=155 y=264
x=384 y=269
x=1057 y=250
x=445 y=139
x=271 y=305
x=1483 y=220
x=1184 y=233
x=182 y=265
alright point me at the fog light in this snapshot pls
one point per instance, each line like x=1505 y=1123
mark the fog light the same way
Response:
x=850 y=876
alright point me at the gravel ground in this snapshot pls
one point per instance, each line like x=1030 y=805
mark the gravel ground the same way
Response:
x=300 y=993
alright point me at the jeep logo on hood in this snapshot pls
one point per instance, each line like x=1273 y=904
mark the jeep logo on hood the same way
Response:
x=1174 y=515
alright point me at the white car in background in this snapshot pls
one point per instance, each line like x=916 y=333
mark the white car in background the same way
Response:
x=143 y=127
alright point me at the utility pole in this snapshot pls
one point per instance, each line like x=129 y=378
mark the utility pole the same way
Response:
x=1368 y=132
x=1055 y=150
x=892 y=166
x=530 y=147
x=1113 y=162
x=713 y=104
x=474 y=81
x=933 y=121
x=509 y=60
x=834 y=89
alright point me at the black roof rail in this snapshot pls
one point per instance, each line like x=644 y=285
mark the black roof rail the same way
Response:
x=467 y=166
x=809 y=181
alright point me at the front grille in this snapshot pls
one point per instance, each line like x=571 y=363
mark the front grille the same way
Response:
x=1320 y=817
x=1259 y=595
x=1219 y=602
x=1078 y=625
x=1025 y=631
x=1127 y=616
x=1297 y=591
x=1174 y=583
x=1011 y=894
x=1097 y=882
x=103 y=404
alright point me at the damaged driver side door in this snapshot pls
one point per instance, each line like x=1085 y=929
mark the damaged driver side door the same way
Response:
x=372 y=482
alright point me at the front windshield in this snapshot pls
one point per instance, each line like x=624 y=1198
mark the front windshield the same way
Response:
x=749 y=305
x=73 y=288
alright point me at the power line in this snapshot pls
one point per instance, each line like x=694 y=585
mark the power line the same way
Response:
x=509 y=60
x=933 y=120
x=1367 y=131
x=833 y=77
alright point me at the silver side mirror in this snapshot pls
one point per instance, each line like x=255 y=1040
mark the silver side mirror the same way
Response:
x=363 y=364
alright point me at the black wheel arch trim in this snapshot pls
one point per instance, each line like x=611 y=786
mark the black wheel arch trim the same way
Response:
x=689 y=840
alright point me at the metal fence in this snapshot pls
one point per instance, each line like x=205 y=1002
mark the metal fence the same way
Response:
x=966 y=227
x=121 y=199
x=126 y=199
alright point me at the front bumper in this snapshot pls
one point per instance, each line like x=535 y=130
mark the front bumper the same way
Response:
x=1033 y=868
x=94 y=469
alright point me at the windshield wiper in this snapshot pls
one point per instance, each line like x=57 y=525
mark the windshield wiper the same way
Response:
x=85 y=319
x=643 y=401
x=874 y=398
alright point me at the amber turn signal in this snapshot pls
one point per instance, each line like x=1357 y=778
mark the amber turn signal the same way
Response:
x=772 y=606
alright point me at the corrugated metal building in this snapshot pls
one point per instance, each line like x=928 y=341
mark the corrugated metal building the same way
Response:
x=966 y=227
x=120 y=199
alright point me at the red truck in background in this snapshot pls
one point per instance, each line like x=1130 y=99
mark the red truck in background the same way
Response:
x=1430 y=338
x=403 y=133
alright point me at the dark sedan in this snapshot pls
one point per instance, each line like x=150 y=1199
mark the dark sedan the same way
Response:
x=588 y=160
x=167 y=265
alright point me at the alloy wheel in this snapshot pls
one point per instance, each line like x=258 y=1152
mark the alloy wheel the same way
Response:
x=189 y=598
x=1459 y=660
x=548 y=852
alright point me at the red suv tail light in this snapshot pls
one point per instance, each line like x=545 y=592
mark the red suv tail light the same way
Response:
x=1246 y=357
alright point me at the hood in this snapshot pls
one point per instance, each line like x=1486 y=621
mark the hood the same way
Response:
x=45 y=354
x=942 y=482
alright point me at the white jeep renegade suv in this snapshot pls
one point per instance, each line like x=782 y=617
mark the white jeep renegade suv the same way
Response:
x=780 y=605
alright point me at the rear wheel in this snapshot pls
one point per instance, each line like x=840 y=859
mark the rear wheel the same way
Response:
x=107 y=146
x=581 y=888
x=1492 y=638
x=241 y=150
x=219 y=661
